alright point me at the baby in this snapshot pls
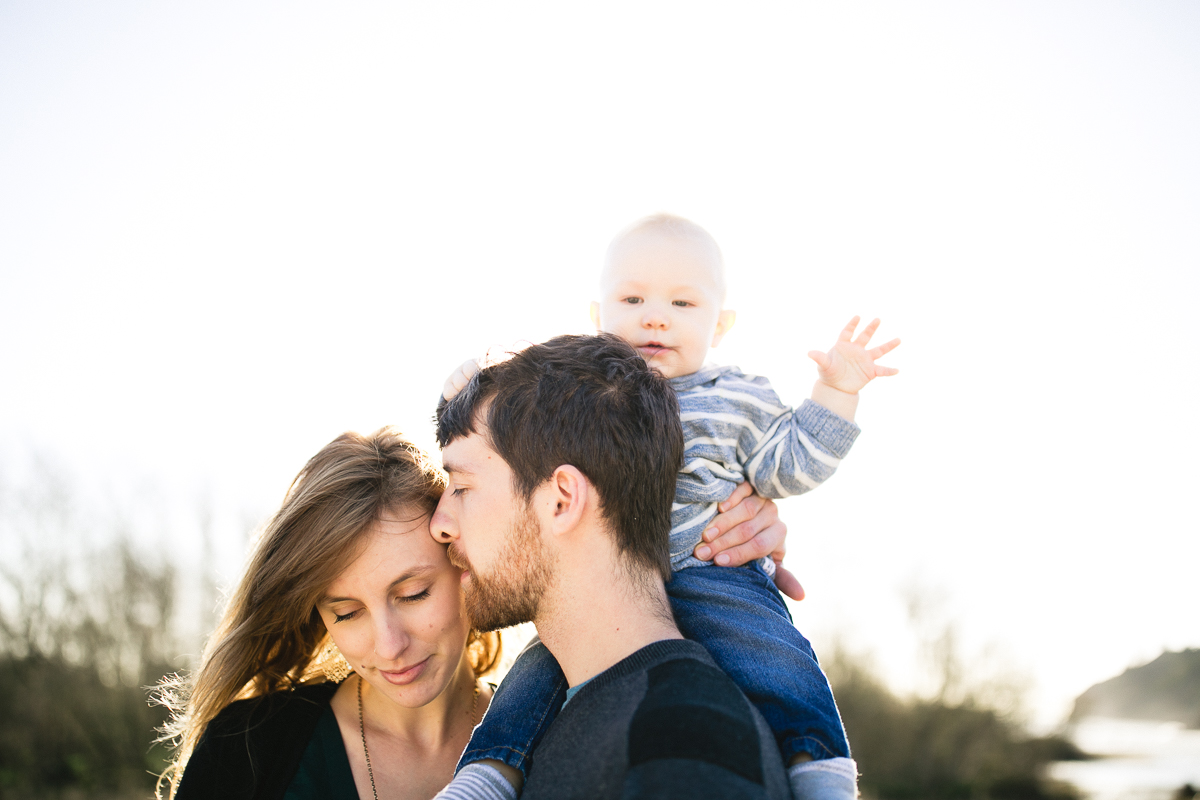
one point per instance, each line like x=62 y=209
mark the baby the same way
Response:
x=662 y=290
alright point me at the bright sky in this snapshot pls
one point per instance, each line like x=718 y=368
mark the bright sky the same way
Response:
x=230 y=231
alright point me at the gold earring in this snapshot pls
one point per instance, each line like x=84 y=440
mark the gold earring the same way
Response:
x=332 y=663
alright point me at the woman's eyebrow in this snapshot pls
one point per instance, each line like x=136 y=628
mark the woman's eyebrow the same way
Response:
x=415 y=572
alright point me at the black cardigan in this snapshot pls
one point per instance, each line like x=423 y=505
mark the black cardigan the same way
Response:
x=253 y=747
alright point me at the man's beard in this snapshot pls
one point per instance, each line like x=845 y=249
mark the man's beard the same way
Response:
x=510 y=594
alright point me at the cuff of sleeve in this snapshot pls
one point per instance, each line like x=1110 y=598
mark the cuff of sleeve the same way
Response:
x=830 y=430
x=478 y=782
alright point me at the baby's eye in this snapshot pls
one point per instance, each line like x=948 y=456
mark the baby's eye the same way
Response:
x=633 y=301
x=681 y=303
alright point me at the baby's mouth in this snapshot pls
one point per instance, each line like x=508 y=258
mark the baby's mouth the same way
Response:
x=651 y=349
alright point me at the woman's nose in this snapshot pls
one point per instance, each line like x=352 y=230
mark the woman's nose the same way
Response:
x=391 y=640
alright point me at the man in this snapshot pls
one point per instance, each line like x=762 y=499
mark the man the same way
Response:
x=562 y=464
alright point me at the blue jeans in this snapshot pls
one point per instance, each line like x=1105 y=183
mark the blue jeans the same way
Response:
x=739 y=617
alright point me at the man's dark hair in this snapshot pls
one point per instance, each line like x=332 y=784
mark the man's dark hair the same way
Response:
x=590 y=402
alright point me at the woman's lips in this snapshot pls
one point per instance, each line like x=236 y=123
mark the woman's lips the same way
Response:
x=401 y=677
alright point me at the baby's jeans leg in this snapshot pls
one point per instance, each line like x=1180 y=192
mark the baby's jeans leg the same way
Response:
x=527 y=701
x=739 y=617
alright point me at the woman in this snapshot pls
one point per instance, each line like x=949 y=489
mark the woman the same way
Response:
x=346 y=577
x=345 y=571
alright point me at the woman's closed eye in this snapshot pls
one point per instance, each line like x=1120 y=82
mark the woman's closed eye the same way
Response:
x=343 y=617
x=414 y=598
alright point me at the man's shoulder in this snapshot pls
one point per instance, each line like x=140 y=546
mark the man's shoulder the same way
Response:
x=694 y=726
x=664 y=723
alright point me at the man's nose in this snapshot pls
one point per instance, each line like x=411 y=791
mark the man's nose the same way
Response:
x=442 y=527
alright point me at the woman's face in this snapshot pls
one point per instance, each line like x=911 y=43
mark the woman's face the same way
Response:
x=397 y=613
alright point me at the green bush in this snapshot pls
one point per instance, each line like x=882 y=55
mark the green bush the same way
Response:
x=922 y=749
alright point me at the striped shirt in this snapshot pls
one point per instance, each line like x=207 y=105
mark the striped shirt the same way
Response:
x=736 y=429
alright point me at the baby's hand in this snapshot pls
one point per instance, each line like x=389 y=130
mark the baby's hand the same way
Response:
x=849 y=365
x=459 y=379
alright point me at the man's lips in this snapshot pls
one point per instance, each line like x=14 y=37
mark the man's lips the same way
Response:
x=406 y=675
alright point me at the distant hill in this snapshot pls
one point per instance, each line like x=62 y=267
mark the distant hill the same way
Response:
x=1168 y=688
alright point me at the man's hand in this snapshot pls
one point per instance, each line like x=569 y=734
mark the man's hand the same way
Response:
x=848 y=367
x=459 y=379
x=747 y=528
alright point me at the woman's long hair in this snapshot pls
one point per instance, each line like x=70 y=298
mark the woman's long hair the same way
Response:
x=270 y=636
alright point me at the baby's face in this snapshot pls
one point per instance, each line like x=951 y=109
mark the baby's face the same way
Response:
x=662 y=294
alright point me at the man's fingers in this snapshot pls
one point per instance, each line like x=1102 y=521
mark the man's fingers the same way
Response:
x=743 y=511
x=787 y=583
x=740 y=493
x=740 y=546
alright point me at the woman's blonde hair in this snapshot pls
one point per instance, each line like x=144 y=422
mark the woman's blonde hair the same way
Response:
x=270 y=637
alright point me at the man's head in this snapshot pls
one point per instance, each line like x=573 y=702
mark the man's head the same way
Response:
x=574 y=416
x=662 y=290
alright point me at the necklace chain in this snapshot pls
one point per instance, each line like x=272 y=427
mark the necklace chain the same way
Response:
x=362 y=730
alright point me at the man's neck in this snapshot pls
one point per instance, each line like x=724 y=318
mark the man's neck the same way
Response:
x=596 y=615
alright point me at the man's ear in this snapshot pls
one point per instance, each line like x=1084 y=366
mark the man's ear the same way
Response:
x=724 y=323
x=569 y=490
x=595 y=313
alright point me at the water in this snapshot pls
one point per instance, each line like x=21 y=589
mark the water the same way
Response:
x=1142 y=760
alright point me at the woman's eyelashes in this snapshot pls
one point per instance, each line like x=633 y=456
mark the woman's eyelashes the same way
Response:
x=400 y=598
x=413 y=598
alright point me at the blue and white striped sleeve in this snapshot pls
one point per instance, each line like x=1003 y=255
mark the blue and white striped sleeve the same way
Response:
x=793 y=451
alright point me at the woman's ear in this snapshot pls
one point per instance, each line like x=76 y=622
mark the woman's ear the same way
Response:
x=724 y=322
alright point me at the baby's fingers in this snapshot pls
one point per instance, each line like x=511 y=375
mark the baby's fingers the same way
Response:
x=848 y=332
x=867 y=333
x=884 y=348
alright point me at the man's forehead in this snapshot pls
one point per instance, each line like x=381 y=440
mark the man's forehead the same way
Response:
x=468 y=454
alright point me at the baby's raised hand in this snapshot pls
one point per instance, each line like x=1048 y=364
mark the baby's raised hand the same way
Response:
x=849 y=365
x=459 y=379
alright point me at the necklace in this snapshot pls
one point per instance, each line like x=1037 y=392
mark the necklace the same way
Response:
x=362 y=730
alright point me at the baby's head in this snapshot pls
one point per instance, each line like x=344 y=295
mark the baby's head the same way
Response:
x=662 y=290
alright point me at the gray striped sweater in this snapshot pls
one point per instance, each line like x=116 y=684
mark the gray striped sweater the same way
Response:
x=736 y=429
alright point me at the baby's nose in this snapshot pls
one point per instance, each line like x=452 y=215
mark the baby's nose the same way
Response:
x=655 y=319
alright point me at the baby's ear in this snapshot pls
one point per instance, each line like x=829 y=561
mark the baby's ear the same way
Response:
x=724 y=323
x=595 y=312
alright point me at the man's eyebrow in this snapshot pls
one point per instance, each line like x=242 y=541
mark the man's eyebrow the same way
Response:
x=451 y=467
x=416 y=572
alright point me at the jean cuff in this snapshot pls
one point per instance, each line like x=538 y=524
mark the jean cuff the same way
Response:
x=513 y=757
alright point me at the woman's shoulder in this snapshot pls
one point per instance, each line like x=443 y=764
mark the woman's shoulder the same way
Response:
x=252 y=748
x=251 y=714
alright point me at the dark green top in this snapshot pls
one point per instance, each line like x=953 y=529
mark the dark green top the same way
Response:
x=324 y=771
